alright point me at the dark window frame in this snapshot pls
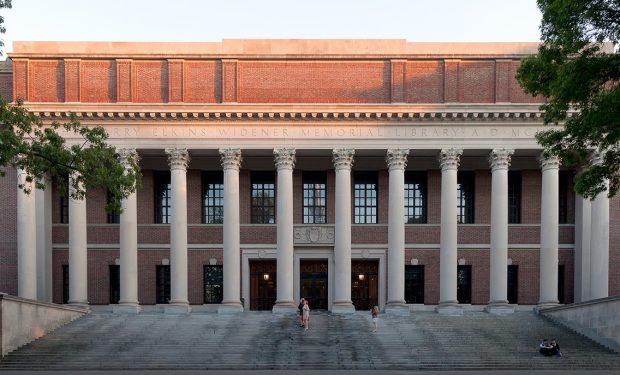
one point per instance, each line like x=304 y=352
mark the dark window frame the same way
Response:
x=263 y=198
x=162 y=287
x=365 y=197
x=465 y=197
x=414 y=284
x=314 y=206
x=563 y=179
x=112 y=217
x=514 y=197
x=214 y=286
x=64 y=202
x=213 y=197
x=416 y=184
x=162 y=197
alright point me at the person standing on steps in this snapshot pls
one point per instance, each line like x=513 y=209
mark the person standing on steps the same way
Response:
x=300 y=307
x=374 y=312
x=306 y=314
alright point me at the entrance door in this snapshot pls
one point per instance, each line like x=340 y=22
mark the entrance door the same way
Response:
x=263 y=291
x=115 y=283
x=313 y=282
x=364 y=283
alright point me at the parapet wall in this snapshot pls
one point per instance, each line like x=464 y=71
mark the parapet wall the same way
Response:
x=23 y=320
x=597 y=319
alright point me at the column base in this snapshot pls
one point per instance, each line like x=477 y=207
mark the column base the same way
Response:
x=285 y=307
x=545 y=305
x=127 y=308
x=343 y=308
x=397 y=308
x=451 y=308
x=230 y=308
x=499 y=308
x=177 y=308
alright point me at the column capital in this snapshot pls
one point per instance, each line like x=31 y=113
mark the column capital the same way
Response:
x=449 y=158
x=126 y=156
x=178 y=158
x=284 y=158
x=230 y=158
x=549 y=162
x=597 y=158
x=343 y=158
x=396 y=158
x=499 y=158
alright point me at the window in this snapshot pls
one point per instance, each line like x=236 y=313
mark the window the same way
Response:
x=463 y=284
x=64 y=203
x=163 y=284
x=263 y=210
x=115 y=283
x=514 y=197
x=314 y=201
x=563 y=197
x=213 y=197
x=414 y=284
x=65 y=283
x=214 y=284
x=415 y=197
x=365 y=197
x=113 y=217
x=513 y=284
x=163 y=197
x=465 y=197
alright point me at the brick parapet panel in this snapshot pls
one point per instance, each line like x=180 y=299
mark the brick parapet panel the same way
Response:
x=266 y=80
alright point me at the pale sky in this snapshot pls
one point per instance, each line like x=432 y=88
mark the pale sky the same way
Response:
x=213 y=20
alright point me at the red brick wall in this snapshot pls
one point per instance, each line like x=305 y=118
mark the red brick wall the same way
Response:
x=313 y=82
x=98 y=81
x=476 y=82
x=8 y=232
x=6 y=87
x=46 y=81
x=424 y=82
x=150 y=81
x=202 y=82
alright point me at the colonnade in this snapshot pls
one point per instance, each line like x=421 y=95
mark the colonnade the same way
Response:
x=231 y=159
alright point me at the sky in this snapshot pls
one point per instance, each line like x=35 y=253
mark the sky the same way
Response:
x=213 y=20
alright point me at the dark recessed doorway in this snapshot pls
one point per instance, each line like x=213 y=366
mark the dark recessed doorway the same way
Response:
x=314 y=283
x=364 y=283
x=263 y=287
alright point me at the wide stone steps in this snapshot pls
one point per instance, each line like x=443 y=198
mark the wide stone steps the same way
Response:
x=256 y=340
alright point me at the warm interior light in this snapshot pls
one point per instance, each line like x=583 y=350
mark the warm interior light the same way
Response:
x=266 y=276
x=361 y=276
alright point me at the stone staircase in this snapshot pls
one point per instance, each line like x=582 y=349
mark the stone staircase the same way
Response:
x=257 y=340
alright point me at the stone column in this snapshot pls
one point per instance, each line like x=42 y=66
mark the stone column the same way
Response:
x=343 y=162
x=178 y=159
x=78 y=250
x=285 y=162
x=549 y=218
x=599 y=242
x=448 y=304
x=128 y=302
x=231 y=162
x=26 y=238
x=44 y=241
x=498 y=301
x=397 y=162
x=582 y=248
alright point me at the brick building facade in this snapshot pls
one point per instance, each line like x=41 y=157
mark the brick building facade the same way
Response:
x=316 y=98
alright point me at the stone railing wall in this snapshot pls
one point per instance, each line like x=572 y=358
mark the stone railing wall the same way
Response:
x=23 y=320
x=597 y=319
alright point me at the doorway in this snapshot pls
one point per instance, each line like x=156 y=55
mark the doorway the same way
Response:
x=364 y=284
x=463 y=284
x=313 y=283
x=263 y=287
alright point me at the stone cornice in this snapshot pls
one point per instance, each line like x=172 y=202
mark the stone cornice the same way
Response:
x=287 y=112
